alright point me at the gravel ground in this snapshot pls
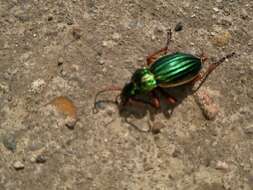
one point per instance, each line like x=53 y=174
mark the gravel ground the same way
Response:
x=56 y=55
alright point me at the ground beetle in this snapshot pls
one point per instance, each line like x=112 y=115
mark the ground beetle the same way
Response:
x=164 y=71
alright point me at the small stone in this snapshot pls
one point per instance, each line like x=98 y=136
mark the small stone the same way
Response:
x=226 y=21
x=222 y=166
x=60 y=61
x=249 y=130
x=70 y=122
x=176 y=153
x=77 y=32
x=221 y=39
x=101 y=62
x=116 y=36
x=208 y=107
x=50 y=18
x=67 y=110
x=179 y=27
x=40 y=159
x=70 y=22
x=244 y=14
x=156 y=127
x=108 y=43
x=37 y=86
x=216 y=9
x=18 y=165
x=35 y=146
x=4 y=88
x=9 y=141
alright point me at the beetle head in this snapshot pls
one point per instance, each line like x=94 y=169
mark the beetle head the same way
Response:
x=128 y=91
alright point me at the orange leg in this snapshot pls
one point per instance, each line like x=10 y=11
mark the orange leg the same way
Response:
x=154 y=102
x=153 y=56
x=169 y=99
x=203 y=57
x=211 y=67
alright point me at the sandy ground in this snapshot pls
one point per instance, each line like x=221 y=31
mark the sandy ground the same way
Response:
x=73 y=49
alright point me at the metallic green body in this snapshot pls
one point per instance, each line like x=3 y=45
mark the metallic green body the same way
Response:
x=175 y=69
x=168 y=71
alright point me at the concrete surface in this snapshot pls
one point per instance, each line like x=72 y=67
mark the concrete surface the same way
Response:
x=56 y=48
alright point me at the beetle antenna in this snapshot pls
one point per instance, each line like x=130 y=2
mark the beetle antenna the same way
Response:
x=112 y=88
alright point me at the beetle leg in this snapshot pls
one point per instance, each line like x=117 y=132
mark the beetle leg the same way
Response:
x=164 y=50
x=211 y=67
x=169 y=37
x=169 y=99
x=153 y=56
x=155 y=102
x=203 y=57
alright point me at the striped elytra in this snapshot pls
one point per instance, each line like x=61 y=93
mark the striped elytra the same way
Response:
x=175 y=69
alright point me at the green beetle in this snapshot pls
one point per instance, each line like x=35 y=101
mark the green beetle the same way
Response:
x=166 y=71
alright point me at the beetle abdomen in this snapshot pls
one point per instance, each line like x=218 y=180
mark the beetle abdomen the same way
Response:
x=175 y=69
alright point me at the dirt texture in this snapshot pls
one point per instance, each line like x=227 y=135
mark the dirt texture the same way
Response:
x=55 y=55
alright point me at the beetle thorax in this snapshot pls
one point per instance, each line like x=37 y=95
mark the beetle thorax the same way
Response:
x=144 y=79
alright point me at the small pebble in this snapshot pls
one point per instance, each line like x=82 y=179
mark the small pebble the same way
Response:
x=244 y=14
x=101 y=62
x=222 y=166
x=60 y=61
x=221 y=39
x=9 y=141
x=70 y=122
x=108 y=43
x=37 y=86
x=18 y=165
x=4 y=88
x=116 y=36
x=216 y=9
x=179 y=27
x=40 y=159
x=35 y=146
x=249 y=130
x=50 y=18
x=77 y=32
x=156 y=127
x=70 y=22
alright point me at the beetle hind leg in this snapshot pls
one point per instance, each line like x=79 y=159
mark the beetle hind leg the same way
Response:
x=210 y=68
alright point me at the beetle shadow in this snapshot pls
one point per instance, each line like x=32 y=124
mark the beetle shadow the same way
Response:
x=138 y=111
